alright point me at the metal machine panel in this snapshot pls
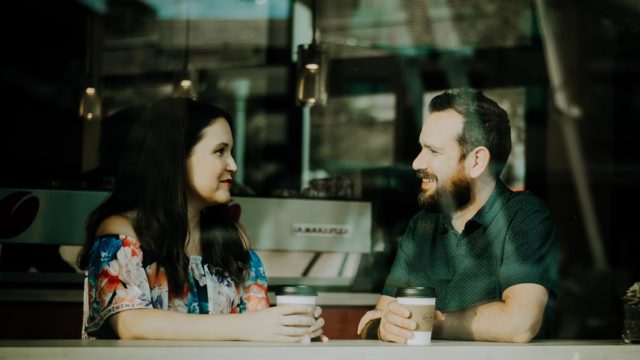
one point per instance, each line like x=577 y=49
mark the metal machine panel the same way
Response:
x=307 y=224
x=58 y=217
x=45 y=216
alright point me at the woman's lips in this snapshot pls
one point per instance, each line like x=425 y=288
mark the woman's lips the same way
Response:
x=226 y=183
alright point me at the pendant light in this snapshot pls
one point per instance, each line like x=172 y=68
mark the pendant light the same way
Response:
x=311 y=68
x=90 y=102
x=185 y=85
x=310 y=91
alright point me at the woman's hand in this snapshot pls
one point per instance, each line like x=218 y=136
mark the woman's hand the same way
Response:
x=317 y=332
x=283 y=323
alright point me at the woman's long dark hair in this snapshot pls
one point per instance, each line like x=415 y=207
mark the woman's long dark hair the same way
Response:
x=154 y=183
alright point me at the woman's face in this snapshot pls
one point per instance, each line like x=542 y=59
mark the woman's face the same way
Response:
x=211 y=166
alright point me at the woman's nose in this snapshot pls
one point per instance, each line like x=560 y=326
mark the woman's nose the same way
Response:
x=231 y=165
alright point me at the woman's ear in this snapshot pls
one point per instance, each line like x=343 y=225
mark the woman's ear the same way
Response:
x=478 y=161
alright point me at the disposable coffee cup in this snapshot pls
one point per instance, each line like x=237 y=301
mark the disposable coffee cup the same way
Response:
x=297 y=294
x=421 y=301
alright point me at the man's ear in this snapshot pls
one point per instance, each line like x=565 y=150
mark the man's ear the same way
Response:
x=478 y=161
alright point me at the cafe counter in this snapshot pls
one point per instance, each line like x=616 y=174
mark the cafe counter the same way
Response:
x=57 y=313
x=334 y=349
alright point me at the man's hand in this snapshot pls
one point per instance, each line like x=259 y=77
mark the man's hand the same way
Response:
x=317 y=327
x=395 y=325
x=391 y=321
x=369 y=319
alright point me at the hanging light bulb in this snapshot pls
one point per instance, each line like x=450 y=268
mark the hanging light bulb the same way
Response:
x=185 y=87
x=312 y=68
x=311 y=74
x=90 y=102
x=90 y=106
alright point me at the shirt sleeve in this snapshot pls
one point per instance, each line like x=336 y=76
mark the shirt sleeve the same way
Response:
x=254 y=291
x=531 y=250
x=400 y=272
x=116 y=280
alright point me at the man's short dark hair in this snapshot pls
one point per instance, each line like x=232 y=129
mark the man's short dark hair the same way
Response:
x=486 y=124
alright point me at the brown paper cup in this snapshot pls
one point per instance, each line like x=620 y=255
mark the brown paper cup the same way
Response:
x=422 y=312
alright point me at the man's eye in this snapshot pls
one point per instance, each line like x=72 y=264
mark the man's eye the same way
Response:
x=219 y=151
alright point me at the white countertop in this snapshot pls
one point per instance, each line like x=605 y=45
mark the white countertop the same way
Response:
x=334 y=350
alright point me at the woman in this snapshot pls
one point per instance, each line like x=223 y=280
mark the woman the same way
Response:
x=164 y=240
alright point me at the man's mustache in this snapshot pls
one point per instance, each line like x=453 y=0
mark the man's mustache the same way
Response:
x=426 y=174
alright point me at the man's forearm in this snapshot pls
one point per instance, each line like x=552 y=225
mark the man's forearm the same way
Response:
x=487 y=322
x=517 y=318
x=454 y=326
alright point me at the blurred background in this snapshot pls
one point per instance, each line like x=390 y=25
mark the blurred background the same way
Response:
x=328 y=98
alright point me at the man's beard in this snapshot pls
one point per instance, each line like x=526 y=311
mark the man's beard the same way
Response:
x=451 y=196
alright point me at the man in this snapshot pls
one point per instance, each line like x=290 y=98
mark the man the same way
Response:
x=490 y=253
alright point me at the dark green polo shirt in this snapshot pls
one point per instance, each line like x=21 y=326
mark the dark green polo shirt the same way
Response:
x=510 y=240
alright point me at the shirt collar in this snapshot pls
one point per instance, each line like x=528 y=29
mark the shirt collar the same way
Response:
x=494 y=204
x=446 y=225
x=487 y=212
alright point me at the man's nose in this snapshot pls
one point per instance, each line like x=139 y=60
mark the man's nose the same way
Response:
x=421 y=162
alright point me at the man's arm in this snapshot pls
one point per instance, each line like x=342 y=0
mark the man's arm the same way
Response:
x=517 y=318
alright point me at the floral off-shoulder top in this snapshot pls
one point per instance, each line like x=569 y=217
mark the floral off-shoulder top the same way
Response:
x=120 y=277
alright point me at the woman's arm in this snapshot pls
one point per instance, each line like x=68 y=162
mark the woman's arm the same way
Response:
x=285 y=323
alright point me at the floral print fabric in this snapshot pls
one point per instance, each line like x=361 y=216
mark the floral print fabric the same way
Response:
x=118 y=280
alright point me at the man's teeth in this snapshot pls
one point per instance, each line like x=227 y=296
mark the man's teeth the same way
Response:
x=429 y=180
